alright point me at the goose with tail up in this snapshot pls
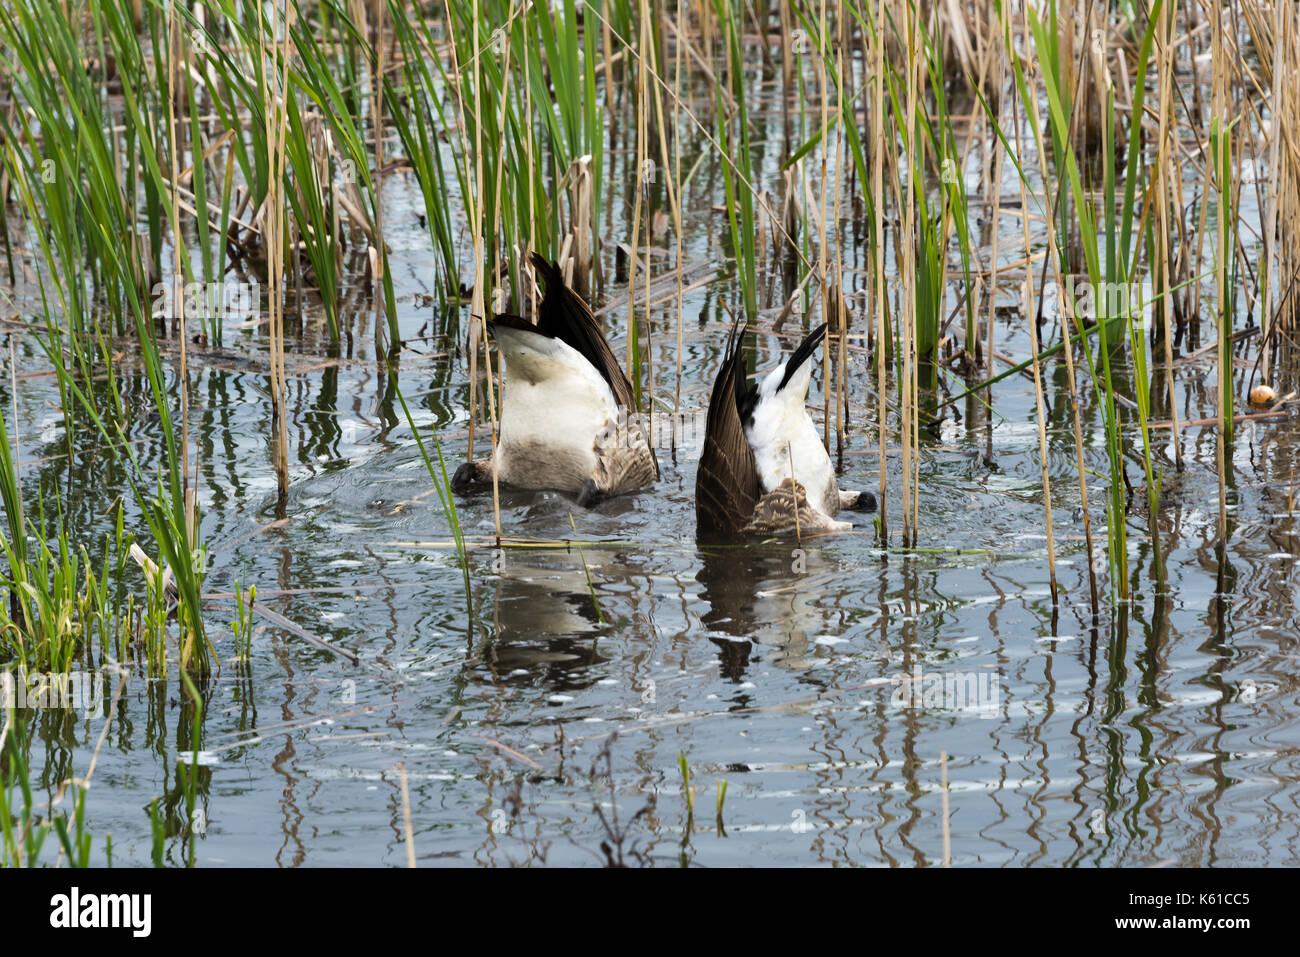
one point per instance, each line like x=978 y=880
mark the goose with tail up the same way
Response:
x=568 y=418
x=764 y=469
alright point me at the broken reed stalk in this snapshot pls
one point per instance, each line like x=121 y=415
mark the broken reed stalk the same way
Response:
x=407 y=830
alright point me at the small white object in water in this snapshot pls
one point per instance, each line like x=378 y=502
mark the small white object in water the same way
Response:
x=559 y=699
x=204 y=759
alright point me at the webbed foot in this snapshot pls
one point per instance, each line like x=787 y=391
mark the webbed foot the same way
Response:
x=466 y=477
x=864 y=502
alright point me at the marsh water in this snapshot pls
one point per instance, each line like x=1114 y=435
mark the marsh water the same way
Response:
x=831 y=683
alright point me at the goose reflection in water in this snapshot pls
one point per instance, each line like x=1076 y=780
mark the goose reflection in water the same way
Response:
x=768 y=595
x=544 y=623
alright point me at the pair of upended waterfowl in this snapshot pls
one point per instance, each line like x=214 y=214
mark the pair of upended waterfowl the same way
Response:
x=566 y=424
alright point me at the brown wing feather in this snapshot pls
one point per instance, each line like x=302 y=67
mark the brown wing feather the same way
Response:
x=775 y=513
x=726 y=485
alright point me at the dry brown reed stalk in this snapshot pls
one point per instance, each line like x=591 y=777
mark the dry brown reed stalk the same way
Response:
x=996 y=192
x=407 y=829
x=1268 y=274
x=906 y=254
x=275 y=109
x=178 y=275
x=645 y=69
x=1282 y=207
x=787 y=73
x=377 y=121
x=1031 y=317
x=476 y=212
x=1201 y=127
x=911 y=381
x=473 y=211
x=674 y=187
x=1164 y=41
x=1066 y=309
x=1219 y=114
x=580 y=195
x=671 y=181
x=641 y=189
x=841 y=312
x=786 y=246
x=481 y=280
x=878 y=299
x=823 y=243
x=1288 y=193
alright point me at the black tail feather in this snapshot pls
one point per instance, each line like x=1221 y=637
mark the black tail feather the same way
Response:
x=563 y=315
x=803 y=354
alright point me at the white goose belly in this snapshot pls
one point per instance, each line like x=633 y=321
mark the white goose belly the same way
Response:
x=553 y=410
x=778 y=443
